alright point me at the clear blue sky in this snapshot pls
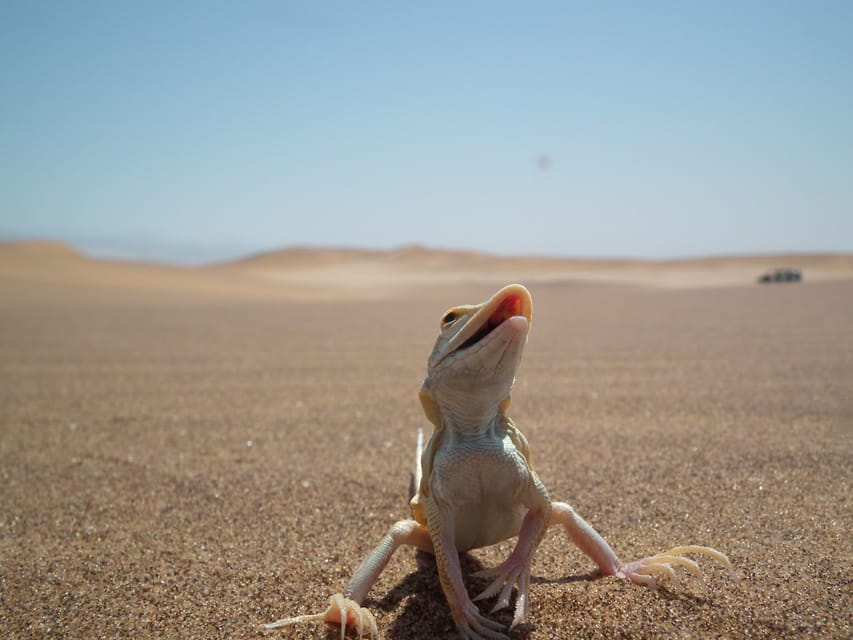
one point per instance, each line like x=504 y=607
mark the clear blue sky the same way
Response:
x=199 y=130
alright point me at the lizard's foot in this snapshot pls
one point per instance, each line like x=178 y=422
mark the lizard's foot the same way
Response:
x=342 y=611
x=510 y=572
x=648 y=570
x=473 y=625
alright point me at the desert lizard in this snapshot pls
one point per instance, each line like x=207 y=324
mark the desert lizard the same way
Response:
x=475 y=484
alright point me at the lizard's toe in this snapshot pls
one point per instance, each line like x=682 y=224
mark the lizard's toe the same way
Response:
x=342 y=611
x=513 y=571
x=473 y=625
x=662 y=565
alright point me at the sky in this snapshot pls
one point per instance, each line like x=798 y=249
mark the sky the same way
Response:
x=197 y=131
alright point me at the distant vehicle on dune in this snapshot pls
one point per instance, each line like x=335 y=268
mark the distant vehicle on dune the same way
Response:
x=783 y=274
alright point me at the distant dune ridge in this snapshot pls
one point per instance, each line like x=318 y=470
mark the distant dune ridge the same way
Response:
x=36 y=268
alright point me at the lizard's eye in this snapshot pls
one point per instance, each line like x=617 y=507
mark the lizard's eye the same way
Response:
x=448 y=318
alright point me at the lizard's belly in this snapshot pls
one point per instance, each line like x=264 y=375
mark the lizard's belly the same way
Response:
x=484 y=524
x=482 y=483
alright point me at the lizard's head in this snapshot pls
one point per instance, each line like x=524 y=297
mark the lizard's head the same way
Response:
x=472 y=367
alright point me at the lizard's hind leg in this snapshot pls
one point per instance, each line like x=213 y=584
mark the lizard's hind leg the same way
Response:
x=645 y=571
x=345 y=608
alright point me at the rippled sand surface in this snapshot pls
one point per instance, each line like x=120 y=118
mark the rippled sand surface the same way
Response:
x=187 y=455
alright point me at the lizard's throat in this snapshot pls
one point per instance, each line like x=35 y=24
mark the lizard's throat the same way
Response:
x=471 y=413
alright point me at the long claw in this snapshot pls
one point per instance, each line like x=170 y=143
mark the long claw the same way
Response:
x=489 y=591
x=477 y=619
x=503 y=600
x=485 y=631
x=644 y=571
x=719 y=556
x=475 y=626
x=503 y=583
x=690 y=565
x=343 y=614
x=286 y=622
x=510 y=573
x=662 y=569
x=341 y=611
x=522 y=602
x=644 y=579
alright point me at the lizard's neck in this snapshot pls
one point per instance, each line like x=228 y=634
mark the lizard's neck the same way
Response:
x=469 y=420
x=470 y=407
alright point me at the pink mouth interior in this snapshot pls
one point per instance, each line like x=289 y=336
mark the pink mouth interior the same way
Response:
x=509 y=307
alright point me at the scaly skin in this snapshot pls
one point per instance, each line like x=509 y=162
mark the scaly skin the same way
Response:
x=476 y=486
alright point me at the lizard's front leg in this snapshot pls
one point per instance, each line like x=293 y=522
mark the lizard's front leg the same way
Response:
x=345 y=608
x=471 y=624
x=516 y=568
x=643 y=571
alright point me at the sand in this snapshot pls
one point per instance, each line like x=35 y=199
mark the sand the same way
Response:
x=188 y=453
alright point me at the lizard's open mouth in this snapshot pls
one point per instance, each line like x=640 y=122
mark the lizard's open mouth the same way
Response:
x=511 y=305
x=512 y=301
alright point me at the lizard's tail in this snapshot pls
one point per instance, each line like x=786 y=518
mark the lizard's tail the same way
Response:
x=419 y=449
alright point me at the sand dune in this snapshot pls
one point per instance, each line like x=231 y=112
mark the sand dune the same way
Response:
x=410 y=265
x=37 y=269
x=46 y=270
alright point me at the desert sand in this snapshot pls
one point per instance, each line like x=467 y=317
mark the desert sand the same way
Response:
x=189 y=453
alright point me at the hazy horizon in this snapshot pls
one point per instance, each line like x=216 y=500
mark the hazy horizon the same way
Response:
x=178 y=256
x=202 y=132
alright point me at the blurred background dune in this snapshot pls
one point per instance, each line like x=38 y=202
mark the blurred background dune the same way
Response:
x=53 y=270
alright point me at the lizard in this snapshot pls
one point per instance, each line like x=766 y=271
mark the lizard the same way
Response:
x=476 y=485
